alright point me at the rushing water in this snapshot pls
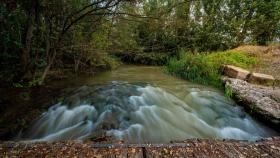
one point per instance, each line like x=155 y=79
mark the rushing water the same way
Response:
x=142 y=104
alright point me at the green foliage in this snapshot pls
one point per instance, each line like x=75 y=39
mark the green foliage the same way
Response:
x=12 y=23
x=228 y=92
x=236 y=58
x=34 y=33
x=18 y=85
x=265 y=24
x=31 y=83
x=34 y=82
x=205 y=26
x=24 y=95
x=206 y=68
x=104 y=62
x=144 y=58
x=196 y=68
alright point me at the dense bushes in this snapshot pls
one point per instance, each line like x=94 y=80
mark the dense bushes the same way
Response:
x=144 y=58
x=87 y=61
x=206 y=68
x=105 y=62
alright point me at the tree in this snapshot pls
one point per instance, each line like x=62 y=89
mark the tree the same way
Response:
x=37 y=35
x=47 y=24
x=265 y=21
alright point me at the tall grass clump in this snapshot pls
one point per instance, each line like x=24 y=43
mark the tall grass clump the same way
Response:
x=207 y=68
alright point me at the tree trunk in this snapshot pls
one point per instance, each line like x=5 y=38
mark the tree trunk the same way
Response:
x=33 y=14
x=25 y=56
x=46 y=71
x=77 y=64
x=49 y=64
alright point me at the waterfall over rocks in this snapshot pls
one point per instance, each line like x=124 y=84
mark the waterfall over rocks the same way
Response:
x=141 y=112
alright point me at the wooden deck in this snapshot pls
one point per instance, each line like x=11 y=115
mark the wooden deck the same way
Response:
x=269 y=147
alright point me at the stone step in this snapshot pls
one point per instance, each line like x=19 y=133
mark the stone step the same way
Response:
x=242 y=74
x=261 y=79
x=235 y=72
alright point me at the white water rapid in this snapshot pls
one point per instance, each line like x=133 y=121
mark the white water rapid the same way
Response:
x=145 y=112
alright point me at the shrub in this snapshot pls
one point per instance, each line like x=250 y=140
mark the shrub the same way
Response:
x=144 y=58
x=106 y=62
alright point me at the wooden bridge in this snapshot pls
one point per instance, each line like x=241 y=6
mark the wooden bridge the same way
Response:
x=269 y=147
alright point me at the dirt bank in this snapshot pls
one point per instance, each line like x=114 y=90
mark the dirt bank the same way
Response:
x=269 y=57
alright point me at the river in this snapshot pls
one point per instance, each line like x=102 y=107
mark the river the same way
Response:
x=141 y=104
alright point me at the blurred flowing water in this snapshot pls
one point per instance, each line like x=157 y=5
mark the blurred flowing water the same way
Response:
x=140 y=104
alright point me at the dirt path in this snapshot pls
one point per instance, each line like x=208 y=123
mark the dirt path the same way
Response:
x=269 y=147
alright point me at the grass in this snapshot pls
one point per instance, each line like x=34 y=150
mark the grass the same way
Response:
x=232 y=57
x=207 y=68
x=228 y=92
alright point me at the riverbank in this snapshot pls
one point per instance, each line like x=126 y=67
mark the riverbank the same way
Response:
x=269 y=147
x=20 y=106
x=261 y=102
x=207 y=68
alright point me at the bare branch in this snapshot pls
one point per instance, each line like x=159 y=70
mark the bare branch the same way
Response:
x=108 y=5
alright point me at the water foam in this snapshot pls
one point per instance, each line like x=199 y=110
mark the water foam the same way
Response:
x=139 y=114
